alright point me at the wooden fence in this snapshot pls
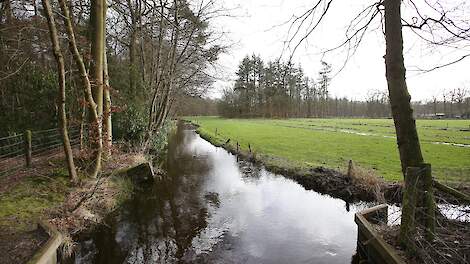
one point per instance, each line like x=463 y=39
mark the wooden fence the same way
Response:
x=22 y=150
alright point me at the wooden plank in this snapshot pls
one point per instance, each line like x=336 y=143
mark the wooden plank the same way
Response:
x=377 y=249
x=47 y=254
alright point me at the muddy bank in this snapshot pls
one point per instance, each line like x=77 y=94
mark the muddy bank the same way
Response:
x=19 y=247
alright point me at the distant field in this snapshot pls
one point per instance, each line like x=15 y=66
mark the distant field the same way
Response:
x=332 y=143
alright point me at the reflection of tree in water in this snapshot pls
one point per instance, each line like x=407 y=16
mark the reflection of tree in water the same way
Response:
x=197 y=214
x=159 y=223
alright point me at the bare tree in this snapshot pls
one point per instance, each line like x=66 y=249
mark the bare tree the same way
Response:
x=87 y=85
x=61 y=98
x=459 y=97
x=441 y=30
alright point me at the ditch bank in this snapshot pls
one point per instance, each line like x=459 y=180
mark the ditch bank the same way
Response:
x=83 y=212
x=351 y=188
x=44 y=194
x=357 y=184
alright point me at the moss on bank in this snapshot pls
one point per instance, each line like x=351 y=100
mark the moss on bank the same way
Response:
x=26 y=202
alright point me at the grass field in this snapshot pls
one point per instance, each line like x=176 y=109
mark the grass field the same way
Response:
x=331 y=143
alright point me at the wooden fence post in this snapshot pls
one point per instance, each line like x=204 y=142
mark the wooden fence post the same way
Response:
x=408 y=223
x=350 y=168
x=27 y=147
x=426 y=206
x=238 y=151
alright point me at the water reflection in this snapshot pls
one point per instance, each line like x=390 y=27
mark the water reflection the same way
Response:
x=210 y=208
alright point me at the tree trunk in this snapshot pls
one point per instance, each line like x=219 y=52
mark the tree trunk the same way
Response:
x=408 y=225
x=61 y=98
x=132 y=62
x=96 y=69
x=405 y=124
x=82 y=125
x=108 y=128
x=94 y=114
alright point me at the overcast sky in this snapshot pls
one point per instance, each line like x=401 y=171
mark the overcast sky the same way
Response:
x=254 y=28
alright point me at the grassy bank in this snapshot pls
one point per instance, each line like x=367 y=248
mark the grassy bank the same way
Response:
x=44 y=192
x=37 y=196
x=302 y=143
x=26 y=202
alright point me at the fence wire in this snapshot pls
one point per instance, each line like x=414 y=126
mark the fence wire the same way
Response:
x=451 y=242
x=43 y=143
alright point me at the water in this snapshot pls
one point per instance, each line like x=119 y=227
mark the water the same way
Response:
x=210 y=208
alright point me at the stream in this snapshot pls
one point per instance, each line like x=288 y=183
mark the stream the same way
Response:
x=211 y=208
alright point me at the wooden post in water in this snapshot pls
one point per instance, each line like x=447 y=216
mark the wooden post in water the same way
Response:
x=27 y=147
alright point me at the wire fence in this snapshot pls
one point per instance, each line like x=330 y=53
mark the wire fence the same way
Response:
x=15 y=150
x=450 y=242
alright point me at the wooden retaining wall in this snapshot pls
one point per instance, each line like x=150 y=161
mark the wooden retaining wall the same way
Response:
x=47 y=254
x=370 y=245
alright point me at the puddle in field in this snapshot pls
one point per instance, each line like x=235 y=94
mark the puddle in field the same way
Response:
x=212 y=209
x=351 y=131
x=452 y=144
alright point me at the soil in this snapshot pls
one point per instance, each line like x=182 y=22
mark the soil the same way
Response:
x=20 y=247
x=40 y=166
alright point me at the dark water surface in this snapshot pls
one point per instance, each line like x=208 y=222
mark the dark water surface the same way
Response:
x=212 y=209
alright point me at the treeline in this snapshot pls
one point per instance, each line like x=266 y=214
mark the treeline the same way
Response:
x=282 y=90
x=450 y=103
x=117 y=68
x=197 y=106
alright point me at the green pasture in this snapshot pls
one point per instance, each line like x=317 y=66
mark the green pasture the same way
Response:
x=331 y=143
